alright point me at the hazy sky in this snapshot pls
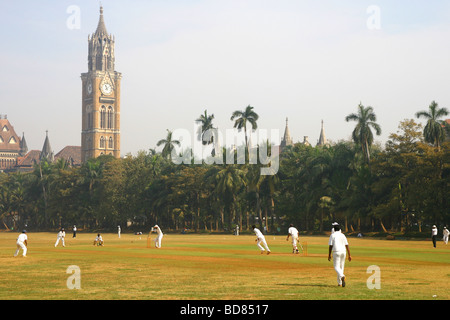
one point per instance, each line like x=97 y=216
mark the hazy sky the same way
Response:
x=305 y=60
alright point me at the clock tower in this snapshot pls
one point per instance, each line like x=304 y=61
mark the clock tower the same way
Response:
x=100 y=133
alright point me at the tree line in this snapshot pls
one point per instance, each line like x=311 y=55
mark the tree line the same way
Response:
x=400 y=187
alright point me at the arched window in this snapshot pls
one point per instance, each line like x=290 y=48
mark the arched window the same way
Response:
x=102 y=142
x=110 y=118
x=110 y=143
x=103 y=117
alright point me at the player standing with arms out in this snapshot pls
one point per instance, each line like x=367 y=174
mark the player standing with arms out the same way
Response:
x=61 y=235
x=22 y=243
x=434 y=232
x=338 y=245
x=293 y=233
x=260 y=239
x=159 y=237
x=446 y=234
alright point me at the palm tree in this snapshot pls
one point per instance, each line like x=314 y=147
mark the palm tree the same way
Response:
x=242 y=117
x=362 y=134
x=169 y=145
x=206 y=124
x=434 y=131
x=230 y=180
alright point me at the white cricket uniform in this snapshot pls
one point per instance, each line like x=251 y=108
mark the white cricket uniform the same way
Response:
x=158 y=237
x=293 y=232
x=118 y=231
x=338 y=241
x=98 y=239
x=61 y=236
x=446 y=234
x=21 y=244
x=261 y=240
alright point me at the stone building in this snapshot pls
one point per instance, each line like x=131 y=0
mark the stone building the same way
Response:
x=11 y=145
x=100 y=133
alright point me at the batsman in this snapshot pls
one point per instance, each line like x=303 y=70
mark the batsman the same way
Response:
x=293 y=233
x=159 y=236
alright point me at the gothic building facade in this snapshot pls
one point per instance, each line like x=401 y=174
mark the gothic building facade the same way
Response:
x=100 y=133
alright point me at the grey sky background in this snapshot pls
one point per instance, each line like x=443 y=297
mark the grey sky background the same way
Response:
x=305 y=60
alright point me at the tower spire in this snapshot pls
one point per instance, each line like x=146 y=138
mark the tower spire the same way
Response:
x=287 y=140
x=101 y=28
x=322 y=139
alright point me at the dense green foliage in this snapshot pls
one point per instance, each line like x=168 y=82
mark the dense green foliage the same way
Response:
x=401 y=187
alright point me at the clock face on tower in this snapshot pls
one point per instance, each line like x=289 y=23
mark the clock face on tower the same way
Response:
x=106 y=88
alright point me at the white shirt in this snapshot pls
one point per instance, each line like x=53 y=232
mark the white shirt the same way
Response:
x=258 y=233
x=434 y=231
x=158 y=230
x=446 y=232
x=61 y=234
x=293 y=231
x=74 y=228
x=22 y=237
x=98 y=238
x=338 y=240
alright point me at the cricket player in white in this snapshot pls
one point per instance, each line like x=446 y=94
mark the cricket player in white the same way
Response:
x=118 y=230
x=338 y=245
x=61 y=236
x=98 y=240
x=260 y=239
x=293 y=233
x=446 y=234
x=22 y=243
x=159 y=237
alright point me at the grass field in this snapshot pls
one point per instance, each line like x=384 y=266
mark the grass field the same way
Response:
x=218 y=267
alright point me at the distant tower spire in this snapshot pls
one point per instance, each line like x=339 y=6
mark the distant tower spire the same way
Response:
x=322 y=139
x=46 y=152
x=23 y=145
x=287 y=140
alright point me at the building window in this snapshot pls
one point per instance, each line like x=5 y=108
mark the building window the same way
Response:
x=103 y=117
x=110 y=118
x=110 y=143
x=102 y=142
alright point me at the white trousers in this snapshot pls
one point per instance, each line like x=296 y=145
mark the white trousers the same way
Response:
x=263 y=242
x=21 y=245
x=57 y=241
x=445 y=238
x=294 y=243
x=339 y=263
x=158 y=241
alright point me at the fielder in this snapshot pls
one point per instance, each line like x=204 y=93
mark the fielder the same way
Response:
x=118 y=230
x=22 y=243
x=61 y=236
x=159 y=237
x=338 y=245
x=98 y=240
x=446 y=234
x=293 y=233
x=260 y=239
